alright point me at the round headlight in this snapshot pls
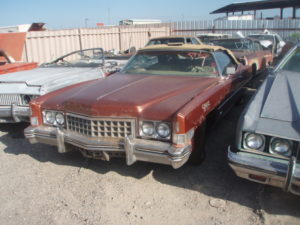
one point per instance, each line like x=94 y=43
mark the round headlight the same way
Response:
x=60 y=119
x=281 y=146
x=148 y=128
x=50 y=117
x=163 y=130
x=254 y=141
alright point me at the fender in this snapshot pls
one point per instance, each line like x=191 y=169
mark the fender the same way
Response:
x=195 y=112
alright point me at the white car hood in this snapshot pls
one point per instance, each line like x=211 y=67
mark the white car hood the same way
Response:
x=47 y=79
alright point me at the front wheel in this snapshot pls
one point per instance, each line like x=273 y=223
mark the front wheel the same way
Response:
x=198 y=154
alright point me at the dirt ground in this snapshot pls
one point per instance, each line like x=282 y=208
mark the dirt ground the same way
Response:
x=41 y=186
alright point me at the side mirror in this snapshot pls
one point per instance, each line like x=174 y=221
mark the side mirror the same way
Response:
x=281 y=44
x=230 y=70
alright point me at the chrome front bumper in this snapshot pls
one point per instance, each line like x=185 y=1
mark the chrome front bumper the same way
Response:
x=277 y=172
x=14 y=113
x=135 y=149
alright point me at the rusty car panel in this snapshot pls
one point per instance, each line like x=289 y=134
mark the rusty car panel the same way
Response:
x=152 y=110
x=248 y=50
x=9 y=65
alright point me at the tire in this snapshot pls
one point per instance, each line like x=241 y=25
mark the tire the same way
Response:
x=198 y=154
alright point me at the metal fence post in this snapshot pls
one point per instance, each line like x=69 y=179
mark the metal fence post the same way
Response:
x=79 y=39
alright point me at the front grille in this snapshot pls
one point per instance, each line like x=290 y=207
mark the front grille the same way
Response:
x=100 y=127
x=9 y=99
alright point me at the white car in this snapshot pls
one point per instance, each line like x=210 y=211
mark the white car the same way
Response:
x=17 y=89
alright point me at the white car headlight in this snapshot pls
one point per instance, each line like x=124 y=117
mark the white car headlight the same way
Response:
x=281 y=146
x=148 y=128
x=49 y=117
x=155 y=130
x=254 y=141
x=59 y=118
x=163 y=130
x=53 y=118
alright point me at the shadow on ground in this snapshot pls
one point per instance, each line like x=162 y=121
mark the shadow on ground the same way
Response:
x=213 y=178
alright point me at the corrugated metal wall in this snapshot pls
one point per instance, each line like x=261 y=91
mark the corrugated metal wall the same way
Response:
x=285 y=28
x=45 y=46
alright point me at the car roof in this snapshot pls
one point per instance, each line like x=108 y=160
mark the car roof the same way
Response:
x=213 y=35
x=183 y=47
x=176 y=36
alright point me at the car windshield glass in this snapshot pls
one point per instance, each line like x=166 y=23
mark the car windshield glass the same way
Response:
x=235 y=44
x=165 y=41
x=84 y=58
x=262 y=37
x=181 y=63
x=293 y=62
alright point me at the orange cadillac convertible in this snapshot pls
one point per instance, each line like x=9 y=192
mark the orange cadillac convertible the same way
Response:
x=156 y=109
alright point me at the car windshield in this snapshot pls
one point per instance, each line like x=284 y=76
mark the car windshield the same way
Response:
x=262 y=37
x=235 y=44
x=292 y=62
x=165 y=41
x=83 y=58
x=181 y=63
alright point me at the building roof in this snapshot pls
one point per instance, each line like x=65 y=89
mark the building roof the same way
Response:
x=257 y=5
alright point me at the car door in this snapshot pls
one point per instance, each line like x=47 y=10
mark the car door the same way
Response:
x=233 y=81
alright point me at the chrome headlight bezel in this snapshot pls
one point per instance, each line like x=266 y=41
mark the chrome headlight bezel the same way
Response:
x=260 y=137
x=154 y=129
x=27 y=98
x=53 y=118
x=287 y=143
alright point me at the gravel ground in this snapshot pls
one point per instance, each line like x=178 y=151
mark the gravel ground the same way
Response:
x=41 y=186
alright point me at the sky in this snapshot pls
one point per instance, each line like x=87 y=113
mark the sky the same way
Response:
x=63 y=14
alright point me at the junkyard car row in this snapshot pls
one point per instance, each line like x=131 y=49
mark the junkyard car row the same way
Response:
x=159 y=106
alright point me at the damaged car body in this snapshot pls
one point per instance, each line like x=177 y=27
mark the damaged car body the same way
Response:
x=155 y=109
x=268 y=135
x=9 y=65
x=248 y=51
x=19 y=88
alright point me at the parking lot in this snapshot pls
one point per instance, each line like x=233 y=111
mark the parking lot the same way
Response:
x=41 y=186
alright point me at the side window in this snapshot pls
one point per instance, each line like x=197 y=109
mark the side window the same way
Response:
x=195 y=41
x=188 y=41
x=224 y=61
x=257 y=46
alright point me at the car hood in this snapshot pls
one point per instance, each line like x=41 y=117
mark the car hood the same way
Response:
x=275 y=109
x=48 y=77
x=131 y=95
